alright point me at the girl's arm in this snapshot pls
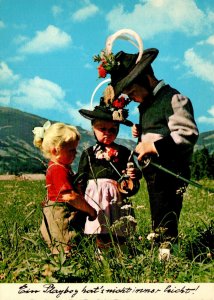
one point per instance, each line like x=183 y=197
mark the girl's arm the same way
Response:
x=77 y=200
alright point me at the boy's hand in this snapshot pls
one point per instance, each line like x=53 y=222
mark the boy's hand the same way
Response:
x=136 y=130
x=144 y=148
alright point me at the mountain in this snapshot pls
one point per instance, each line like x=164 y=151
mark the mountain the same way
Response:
x=17 y=152
x=206 y=139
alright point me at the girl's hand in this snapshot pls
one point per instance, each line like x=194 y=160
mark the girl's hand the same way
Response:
x=131 y=172
x=145 y=148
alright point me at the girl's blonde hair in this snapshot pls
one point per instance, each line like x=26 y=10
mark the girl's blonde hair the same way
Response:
x=56 y=136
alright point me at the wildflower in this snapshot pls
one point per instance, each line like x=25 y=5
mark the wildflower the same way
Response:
x=152 y=236
x=2 y=276
x=129 y=218
x=164 y=254
x=126 y=206
x=48 y=270
x=117 y=224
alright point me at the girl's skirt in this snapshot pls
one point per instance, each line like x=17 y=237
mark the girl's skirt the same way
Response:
x=115 y=214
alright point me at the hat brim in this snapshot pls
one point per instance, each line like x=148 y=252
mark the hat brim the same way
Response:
x=101 y=115
x=148 y=57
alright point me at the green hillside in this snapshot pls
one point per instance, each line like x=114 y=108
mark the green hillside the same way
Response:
x=17 y=152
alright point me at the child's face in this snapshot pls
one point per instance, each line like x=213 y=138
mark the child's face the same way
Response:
x=105 y=131
x=67 y=153
x=137 y=93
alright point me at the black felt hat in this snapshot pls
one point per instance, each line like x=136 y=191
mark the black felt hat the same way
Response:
x=127 y=69
x=105 y=113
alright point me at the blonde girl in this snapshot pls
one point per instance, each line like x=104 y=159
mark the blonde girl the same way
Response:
x=64 y=210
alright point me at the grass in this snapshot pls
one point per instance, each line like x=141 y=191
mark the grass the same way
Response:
x=24 y=256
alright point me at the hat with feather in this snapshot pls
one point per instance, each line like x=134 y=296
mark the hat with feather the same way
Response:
x=124 y=68
x=109 y=108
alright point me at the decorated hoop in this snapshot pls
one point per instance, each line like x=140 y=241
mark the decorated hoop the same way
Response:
x=122 y=34
x=107 y=59
x=96 y=89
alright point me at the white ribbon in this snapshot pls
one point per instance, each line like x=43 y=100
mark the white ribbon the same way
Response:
x=39 y=131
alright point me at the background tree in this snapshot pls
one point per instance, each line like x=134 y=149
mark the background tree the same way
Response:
x=202 y=164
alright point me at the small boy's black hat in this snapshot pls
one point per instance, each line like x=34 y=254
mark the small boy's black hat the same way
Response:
x=104 y=113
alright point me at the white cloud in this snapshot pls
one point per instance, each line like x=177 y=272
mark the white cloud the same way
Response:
x=50 y=39
x=40 y=94
x=210 y=18
x=209 y=119
x=79 y=120
x=2 y=25
x=56 y=10
x=84 y=13
x=73 y=112
x=150 y=17
x=211 y=111
x=206 y=120
x=200 y=67
x=6 y=74
x=20 y=39
x=5 y=97
x=16 y=58
x=209 y=41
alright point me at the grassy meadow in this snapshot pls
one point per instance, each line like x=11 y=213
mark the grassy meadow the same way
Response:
x=24 y=256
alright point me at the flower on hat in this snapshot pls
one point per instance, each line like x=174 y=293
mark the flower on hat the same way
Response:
x=121 y=102
x=108 y=62
x=117 y=106
x=102 y=71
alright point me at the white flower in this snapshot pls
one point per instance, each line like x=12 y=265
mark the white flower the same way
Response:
x=151 y=236
x=126 y=206
x=164 y=254
x=129 y=218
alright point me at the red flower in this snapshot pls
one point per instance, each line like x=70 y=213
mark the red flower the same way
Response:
x=112 y=152
x=102 y=72
x=119 y=103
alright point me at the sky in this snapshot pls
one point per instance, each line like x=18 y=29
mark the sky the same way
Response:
x=47 y=49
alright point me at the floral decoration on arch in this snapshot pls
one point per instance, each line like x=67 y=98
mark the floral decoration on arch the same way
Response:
x=107 y=63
